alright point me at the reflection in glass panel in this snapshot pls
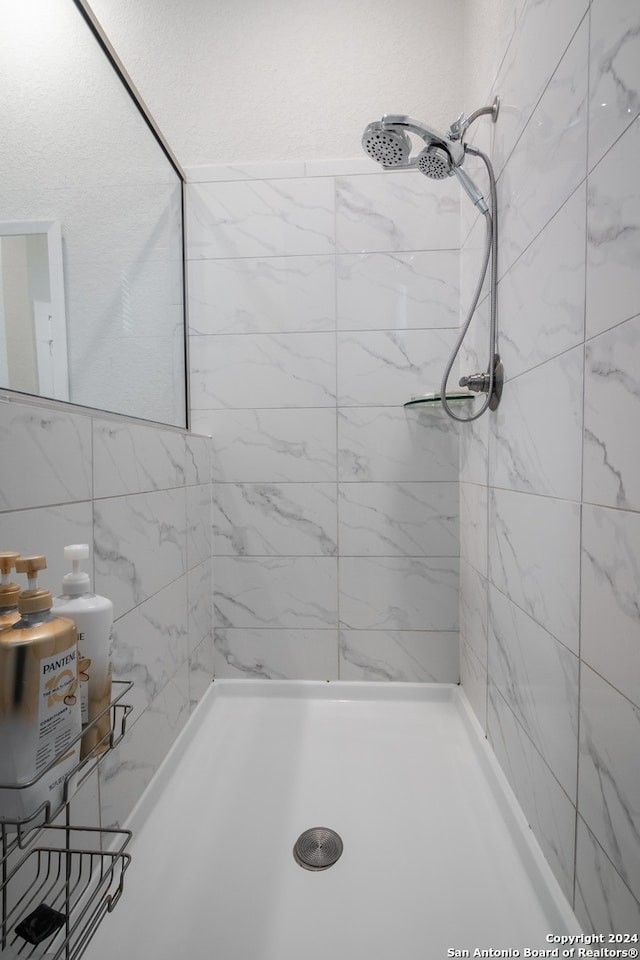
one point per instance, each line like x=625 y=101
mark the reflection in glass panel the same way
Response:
x=76 y=150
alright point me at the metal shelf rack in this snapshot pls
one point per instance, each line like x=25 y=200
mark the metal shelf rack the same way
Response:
x=57 y=881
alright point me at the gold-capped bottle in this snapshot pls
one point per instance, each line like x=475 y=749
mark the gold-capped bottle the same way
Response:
x=9 y=592
x=39 y=703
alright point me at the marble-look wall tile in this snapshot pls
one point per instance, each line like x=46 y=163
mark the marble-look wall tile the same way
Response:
x=613 y=236
x=272 y=592
x=614 y=87
x=540 y=320
x=396 y=211
x=550 y=813
x=471 y=254
x=198 y=459
x=275 y=519
x=473 y=526
x=264 y=446
x=130 y=458
x=603 y=903
x=259 y=218
x=473 y=677
x=389 y=443
x=397 y=593
x=534 y=558
x=543 y=33
x=377 y=368
x=610 y=615
x=199 y=524
x=276 y=170
x=538 y=677
x=399 y=655
x=139 y=545
x=398 y=519
x=380 y=291
x=128 y=769
x=295 y=654
x=611 y=411
x=47 y=530
x=200 y=603
x=474 y=450
x=150 y=643
x=264 y=370
x=261 y=295
x=200 y=671
x=54 y=461
x=536 y=432
x=473 y=610
x=550 y=159
x=609 y=780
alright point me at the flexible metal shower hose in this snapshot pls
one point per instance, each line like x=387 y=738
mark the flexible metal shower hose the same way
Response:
x=490 y=251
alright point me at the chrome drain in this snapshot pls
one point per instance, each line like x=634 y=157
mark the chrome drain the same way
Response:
x=317 y=848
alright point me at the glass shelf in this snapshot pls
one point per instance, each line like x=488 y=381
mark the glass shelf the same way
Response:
x=435 y=399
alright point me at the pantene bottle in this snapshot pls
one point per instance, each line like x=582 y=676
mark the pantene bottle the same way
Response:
x=93 y=617
x=9 y=592
x=39 y=703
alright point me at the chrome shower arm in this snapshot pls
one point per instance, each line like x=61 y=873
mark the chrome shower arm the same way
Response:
x=460 y=126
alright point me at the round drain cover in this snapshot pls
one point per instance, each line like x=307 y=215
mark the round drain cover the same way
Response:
x=317 y=848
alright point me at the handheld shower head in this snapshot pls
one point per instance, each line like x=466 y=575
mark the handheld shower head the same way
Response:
x=391 y=148
x=435 y=162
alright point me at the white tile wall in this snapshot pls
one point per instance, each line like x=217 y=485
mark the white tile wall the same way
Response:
x=140 y=495
x=559 y=459
x=319 y=305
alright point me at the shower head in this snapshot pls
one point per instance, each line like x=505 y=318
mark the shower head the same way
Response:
x=387 y=142
x=435 y=162
x=391 y=148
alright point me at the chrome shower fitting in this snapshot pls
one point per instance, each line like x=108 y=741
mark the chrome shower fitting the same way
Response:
x=387 y=141
x=483 y=383
x=459 y=127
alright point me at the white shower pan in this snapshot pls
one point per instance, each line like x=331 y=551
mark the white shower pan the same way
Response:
x=437 y=856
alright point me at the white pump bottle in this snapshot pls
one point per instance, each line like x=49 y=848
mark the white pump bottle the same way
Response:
x=93 y=617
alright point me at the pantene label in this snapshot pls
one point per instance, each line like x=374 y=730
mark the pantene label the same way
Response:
x=58 y=692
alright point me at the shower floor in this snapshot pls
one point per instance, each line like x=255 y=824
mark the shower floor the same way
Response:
x=436 y=858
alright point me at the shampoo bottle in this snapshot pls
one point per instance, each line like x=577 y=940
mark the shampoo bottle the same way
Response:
x=93 y=617
x=39 y=705
x=9 y=592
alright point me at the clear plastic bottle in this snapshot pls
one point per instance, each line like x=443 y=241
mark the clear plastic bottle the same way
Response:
x=93 y=617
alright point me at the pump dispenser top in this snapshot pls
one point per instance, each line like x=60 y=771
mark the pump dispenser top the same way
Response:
x=34 y=599
x=9 y=592
x=77 y=582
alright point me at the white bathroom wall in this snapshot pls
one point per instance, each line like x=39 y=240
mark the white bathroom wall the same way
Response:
x=550 y=529
x=322 y=297
x=140 y=496
x=246 y=82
